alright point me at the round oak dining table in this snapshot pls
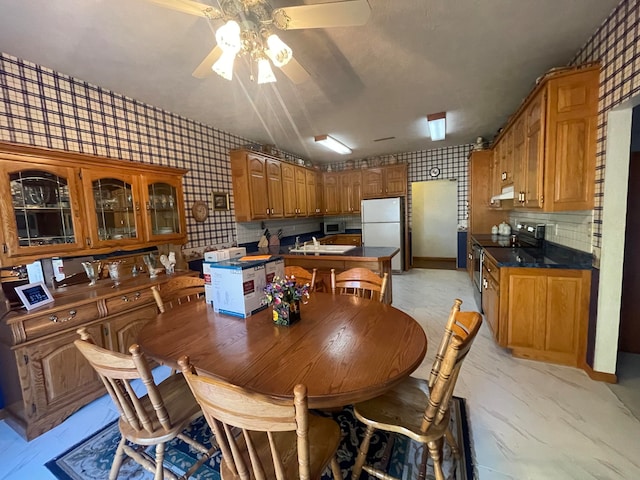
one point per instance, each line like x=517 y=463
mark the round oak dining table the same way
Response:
x=345 y=349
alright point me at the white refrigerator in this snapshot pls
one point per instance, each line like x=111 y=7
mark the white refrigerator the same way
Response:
x=383 y=226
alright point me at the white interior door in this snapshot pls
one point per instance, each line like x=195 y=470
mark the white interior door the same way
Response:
x=434 y=219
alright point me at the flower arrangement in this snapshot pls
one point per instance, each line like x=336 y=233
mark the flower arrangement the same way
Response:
x=284 y=294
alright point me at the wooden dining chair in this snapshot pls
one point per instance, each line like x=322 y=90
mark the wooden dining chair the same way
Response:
x=360 y=282
x=302 y=275
x=154 y=418
x=177 y=290
x=420 y=409
x=264 y=438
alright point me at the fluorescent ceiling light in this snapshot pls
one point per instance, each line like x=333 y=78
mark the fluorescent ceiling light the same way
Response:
x=333 y=144
x=437 y=125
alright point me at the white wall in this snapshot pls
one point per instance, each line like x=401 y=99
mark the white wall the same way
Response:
x=434 y=219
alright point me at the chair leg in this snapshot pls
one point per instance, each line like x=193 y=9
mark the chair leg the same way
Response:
x=160 y=462
x=435 y=450
x=455 y=450
x=335 y=469
x=117 y=460
x=422 y=474
x=362 y=453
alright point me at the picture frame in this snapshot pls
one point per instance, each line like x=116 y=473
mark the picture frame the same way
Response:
x=220 y=201
x=34 y=295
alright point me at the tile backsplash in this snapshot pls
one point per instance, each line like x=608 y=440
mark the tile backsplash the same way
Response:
x=571 y=229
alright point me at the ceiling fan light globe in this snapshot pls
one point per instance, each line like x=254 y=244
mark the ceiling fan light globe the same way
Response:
x=265 y=74
x=228 y=37
x=279 y=52
x=224 y=65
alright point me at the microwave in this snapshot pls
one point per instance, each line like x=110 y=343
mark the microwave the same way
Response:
x=331 y=228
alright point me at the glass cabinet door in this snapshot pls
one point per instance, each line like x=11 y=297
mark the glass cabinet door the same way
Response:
x=164 y=209
x=43 y=210
x=113 y=209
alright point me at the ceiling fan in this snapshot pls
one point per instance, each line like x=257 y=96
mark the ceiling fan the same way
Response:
x=250 y=26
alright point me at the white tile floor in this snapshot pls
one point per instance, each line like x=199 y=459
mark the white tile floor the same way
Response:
x=529 y=420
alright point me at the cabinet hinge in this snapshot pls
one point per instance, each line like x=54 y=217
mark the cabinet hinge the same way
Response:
x=88 y=241
x=80 y=174
x=33 y=408
x=4 y=248
x=26 y=359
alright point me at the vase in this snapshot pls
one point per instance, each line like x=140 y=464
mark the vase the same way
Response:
x=286 y=313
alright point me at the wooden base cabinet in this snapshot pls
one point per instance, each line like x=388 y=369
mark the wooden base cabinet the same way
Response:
x=544 y=313
x=44 y=377
x=491 y=295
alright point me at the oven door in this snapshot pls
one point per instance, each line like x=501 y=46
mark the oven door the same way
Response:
x=477 y=253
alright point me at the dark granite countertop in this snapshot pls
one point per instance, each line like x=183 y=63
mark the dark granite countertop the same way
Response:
x=548 y=256
x=357 y=252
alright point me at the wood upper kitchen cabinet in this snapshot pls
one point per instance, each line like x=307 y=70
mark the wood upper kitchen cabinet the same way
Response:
x=350 y=191
x=301 y=192
x=289 y=189
x=314 y=195
x=257 y=186
x=60 y=203
x=387 y=181
x=43 y=209
x=554 y=142
x=545 y=313
x=331 y=195
x=529 y=193
x=481 y=215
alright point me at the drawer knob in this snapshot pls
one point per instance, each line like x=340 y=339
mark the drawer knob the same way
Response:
x=55 y=319
x=136 y=296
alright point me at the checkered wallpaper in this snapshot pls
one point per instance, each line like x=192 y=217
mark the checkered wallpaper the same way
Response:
x=452 y=162
x=615 y=45
x=41 y=107
x=44 y=108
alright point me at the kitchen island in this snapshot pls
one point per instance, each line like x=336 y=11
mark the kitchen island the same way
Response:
x=377 y=259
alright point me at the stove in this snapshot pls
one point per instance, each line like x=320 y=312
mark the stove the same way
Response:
x=522 y=235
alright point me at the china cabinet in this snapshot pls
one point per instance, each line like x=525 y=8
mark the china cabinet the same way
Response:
x=57 y=203
x=41 y=209
x=45 y=378
x=163 y=212
x=112 y=208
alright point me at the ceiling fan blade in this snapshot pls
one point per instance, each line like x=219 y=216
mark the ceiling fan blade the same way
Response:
x=204 y=69
x=323 y=15
x=191 y=7
x=296 y=72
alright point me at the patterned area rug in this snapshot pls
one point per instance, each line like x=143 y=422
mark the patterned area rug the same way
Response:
x=92 y=457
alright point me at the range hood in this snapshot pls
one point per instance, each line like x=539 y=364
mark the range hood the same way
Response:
x=507 y=194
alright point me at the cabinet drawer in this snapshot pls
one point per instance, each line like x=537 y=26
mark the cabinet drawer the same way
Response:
x=55 y=320
x=127 y=301
x=491 y=268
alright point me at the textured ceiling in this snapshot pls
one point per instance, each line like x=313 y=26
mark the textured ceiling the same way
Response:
x=474 y=59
